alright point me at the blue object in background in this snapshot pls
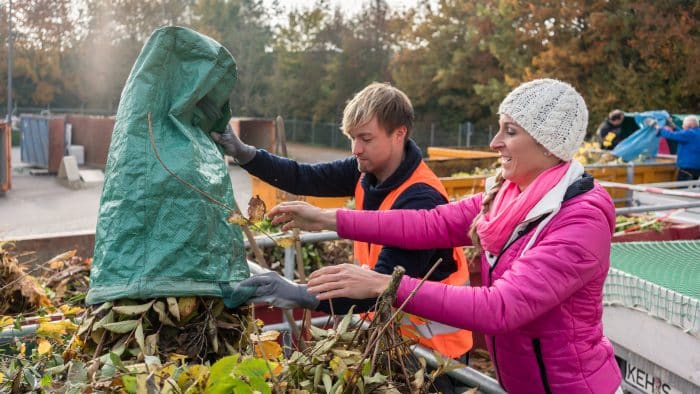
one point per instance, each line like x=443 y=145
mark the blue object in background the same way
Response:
x=644 y=141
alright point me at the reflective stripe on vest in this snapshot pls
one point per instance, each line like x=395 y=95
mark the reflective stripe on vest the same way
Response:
x=430 y=328
x=450 y=341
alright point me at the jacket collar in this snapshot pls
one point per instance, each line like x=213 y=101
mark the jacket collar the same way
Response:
x=572 y=184
x=376 y=193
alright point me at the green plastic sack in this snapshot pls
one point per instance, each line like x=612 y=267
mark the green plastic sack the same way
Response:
x=155 y=236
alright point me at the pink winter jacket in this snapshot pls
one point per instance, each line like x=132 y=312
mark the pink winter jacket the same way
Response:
x=541 y=312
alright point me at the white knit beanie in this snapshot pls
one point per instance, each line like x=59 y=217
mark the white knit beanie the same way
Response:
x=552 y=111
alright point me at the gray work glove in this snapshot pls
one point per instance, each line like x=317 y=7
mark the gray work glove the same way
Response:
x=233 y=146
x=278 y=291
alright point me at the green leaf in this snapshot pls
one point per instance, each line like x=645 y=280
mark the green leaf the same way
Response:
x=121 y=327
x=327 y=382
x=318 y=333
x=85 y=325
x=152 y=344
x=108 y=370
x=345 y=323
x=108 y=318
x=217 y=308
x=133 y=310
x=221 y=378
x=376 y=379
x=116 y=361
x=258 y=384
x=46 y=381
x=77 y=372
x=140 y=339
x=118 y=348
x=129 y=383
x=252 y=367
x=348 y=356
x=305 y=384
x=101 y=308
x=318 y=372
x=29 y=377
x=59 y=369
x=366 y=368
x=323 y=346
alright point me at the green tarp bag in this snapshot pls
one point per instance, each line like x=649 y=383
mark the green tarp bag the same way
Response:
x=156 y=237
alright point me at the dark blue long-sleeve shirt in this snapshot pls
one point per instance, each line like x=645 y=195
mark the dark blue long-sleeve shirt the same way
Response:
x=339 y=178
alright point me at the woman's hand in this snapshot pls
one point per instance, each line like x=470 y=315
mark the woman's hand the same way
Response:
x=347 y=280
x=302 y=215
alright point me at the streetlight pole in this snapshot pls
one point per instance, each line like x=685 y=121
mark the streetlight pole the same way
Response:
x=9 y=64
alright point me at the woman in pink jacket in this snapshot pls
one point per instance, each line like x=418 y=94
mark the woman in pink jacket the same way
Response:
x=544 y=230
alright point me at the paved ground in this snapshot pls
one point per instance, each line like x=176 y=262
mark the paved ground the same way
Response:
x=38 y=204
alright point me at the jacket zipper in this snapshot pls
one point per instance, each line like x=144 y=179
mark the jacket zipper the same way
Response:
x=493 y=338
x=540 y=363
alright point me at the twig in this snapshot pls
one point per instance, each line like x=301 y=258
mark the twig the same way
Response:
x=259 y=256
x=184 y=182
x=96 y=357
x=375 y=338
x=267 y=362
x=292 y=323
x=306 y=318
x=66 y=274
x=299 y=257
x=373 y=341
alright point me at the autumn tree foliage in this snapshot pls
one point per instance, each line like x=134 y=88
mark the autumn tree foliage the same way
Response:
x=456 y=59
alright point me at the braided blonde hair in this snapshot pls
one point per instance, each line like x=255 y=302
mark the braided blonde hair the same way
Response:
x=485 y=206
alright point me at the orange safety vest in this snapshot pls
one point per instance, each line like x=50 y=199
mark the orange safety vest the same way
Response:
x=450 y=341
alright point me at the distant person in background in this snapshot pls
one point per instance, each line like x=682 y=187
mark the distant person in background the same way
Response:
x=688 y=154
x=610 y=131
x=664 y=148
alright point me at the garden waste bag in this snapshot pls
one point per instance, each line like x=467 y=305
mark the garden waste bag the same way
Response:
x=644 y=141
x=157 y=237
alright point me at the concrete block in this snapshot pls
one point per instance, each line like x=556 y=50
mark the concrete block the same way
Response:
x=92 y=177
x=68 y=173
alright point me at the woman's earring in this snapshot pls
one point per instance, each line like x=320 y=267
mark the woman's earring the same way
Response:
x=547 y=154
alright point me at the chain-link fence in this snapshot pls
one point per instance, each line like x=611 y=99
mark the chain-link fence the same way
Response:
x=56 y=110
x=424 y=133
x=458 y=135
x=315 y=133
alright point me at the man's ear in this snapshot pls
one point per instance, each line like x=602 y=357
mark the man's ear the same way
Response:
x=400 y=132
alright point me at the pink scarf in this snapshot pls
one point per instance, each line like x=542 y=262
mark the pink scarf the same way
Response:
x=510 y=207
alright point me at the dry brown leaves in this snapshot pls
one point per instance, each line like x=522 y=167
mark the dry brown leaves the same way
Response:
x=19 y=291
x=256 y=209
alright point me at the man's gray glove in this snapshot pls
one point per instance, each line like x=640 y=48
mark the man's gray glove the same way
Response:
x=233 y=146
x=278 y=291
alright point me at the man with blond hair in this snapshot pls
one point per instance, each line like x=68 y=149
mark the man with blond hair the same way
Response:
x=385 y=171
